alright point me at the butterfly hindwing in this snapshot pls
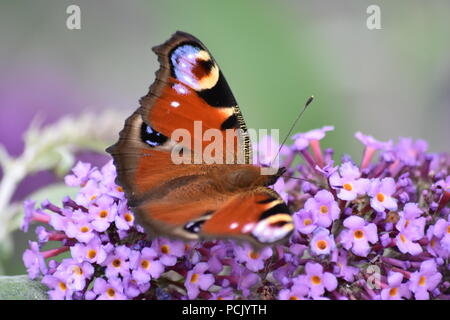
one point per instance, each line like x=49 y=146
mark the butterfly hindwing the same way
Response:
x=259 y=216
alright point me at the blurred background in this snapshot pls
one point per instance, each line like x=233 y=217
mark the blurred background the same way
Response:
x=387 y=83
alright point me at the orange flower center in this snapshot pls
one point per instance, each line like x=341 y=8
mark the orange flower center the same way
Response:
x=93 y=197
x=145 y=264
x=393 y=292
x=120 y=189
x=84 y=229
x=253 y=255
x=128 y=217
x=321 y=244
x=316 y=280
x=402 y=238
x=116 y=263
x=92 y=254
x=293 y=298
x=307 y=222
x=359 y=234
x=77 y=270
x=111 y=292
x=62 y=286
x=194 y=278
x=323 y=209
x=380 y=197
x=165 y=249
x=348 y=187
x=103 y=214
x=422 y=281
x=432 y=243
x=448 y=229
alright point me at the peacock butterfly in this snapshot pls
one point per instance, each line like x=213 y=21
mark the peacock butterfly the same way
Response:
x=195 y=198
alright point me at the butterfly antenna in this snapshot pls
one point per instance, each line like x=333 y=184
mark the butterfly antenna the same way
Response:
x=310 y=99
x=302 y=179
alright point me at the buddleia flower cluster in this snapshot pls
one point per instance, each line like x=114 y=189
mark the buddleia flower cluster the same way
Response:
x=376 y=228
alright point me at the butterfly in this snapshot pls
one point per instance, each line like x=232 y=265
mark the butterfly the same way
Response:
x=195 y=199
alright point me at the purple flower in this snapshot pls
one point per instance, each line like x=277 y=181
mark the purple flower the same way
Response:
x=371 y=142
x=322 y=242
x=253 y=260
x=302 y=140
x=107 y=290
x=58 y=288
x=82 y=172
x=168 y=250
x=303 y=220
x=405 y=243
x=197 y=279
x=217 y=254
x=74 y=274
x=342 y=269
x=396 y=290
x=117 y=263
x=381 y=192
x=79 y=226
x=442 y=232
x=132 y=289
x=145 y=265
x=323 y=207
x=223 y=294
x=348 y=182
x=243 y=278
x=30 y=215
x=407 y=150
x=434 y=246
x=34 y=261
x=297 y=292
x=103 y=213
x=424 y=280
x=410 y=221
x=124 y=219
x=358 y=234
x=316 y=280
x=88 y=193
x=411 y=228
x=92 y=252
x=371 y=145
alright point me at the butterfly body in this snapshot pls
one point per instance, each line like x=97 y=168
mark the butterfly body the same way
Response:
x=181 y=187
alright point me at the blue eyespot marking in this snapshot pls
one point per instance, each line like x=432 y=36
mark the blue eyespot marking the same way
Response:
x=152 y=137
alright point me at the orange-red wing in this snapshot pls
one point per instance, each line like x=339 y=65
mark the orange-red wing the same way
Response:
x=259 y=215
x=191 y=88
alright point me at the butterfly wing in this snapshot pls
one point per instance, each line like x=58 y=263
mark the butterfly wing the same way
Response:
x=191 y=93
x=189 y=89
x=259 y=216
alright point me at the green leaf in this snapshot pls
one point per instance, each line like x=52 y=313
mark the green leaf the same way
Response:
x=21 y=288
